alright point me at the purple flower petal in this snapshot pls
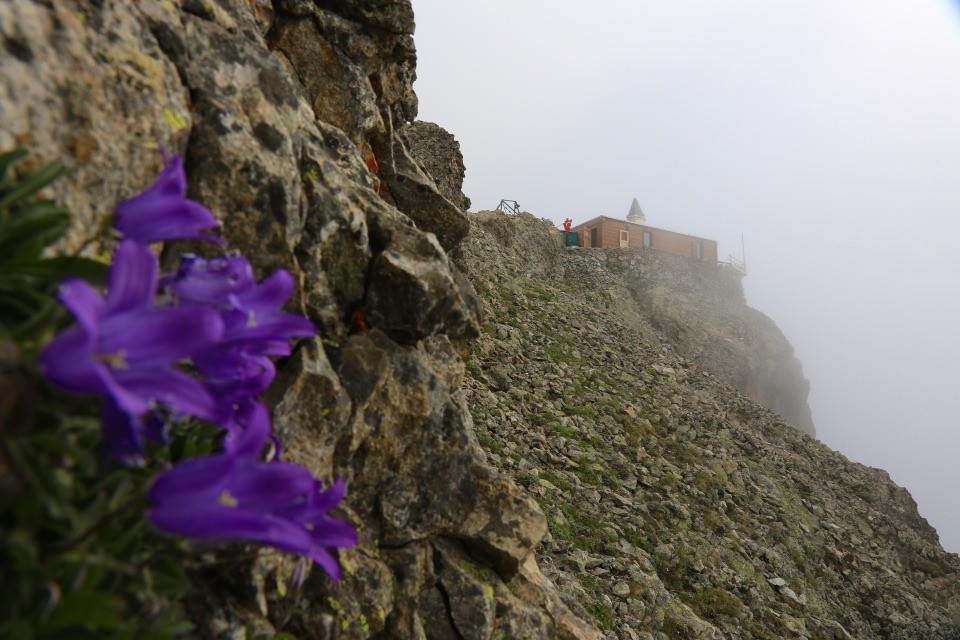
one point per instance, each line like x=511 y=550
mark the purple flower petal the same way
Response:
x=163 y=213
x=330 y=532
x=318 y=505
x=66 y=362
x=253 y=421
x=233 y=363
x=212 y=282
x=158 y=337
x=84 y=302
x=163 y=219
x=173 y=388
x=128 y=400
x=326 y=561
x=234 y=496
x=324 y=501
x=199 y=477
x=133 y=278
x=269 y=295
x=217 y=521
x=238 y=381
x=263 y=486
x=276 y=327
x=121 y=436
x=173 y=180
x=126 y=349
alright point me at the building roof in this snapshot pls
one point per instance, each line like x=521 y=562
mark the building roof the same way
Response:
x=636 y=213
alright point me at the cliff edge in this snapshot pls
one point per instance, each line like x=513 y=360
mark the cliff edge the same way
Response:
x=699 y=309
x=678 y=507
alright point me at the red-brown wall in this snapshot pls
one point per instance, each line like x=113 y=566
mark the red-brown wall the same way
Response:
x=608 y=235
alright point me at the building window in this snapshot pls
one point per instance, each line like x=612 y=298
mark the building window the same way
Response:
x=647 y=238
x=698 y=250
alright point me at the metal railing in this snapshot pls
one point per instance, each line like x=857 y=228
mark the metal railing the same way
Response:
x=509 y=206
x=735 y=263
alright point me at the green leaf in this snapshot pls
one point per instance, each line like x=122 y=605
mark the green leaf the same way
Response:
x=21 y=549
x=66 y=447
x=37 y=324
x=37 y=225
x=87 y=609
x=8 y=159
x=175 y=629
x=31 y=184
x=57 y=269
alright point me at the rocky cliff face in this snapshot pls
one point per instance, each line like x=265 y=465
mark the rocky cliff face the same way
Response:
x=582 y=469
x=438 y=152
x=678 y=508
x=289 y=117
x=700 y=311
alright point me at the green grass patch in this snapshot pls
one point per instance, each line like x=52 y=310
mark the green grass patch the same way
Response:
x=636 y=538
x=526 y=479
x=560 y=354
x=596 y=474
x=602 y=615
x=598 y=443
x=556 y=481
x=714 y=603
x=488 y=443
x=584 y=530
x=566 y=432
x=582 y=410
x=473 y=368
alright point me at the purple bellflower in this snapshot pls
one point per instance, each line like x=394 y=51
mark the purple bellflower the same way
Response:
x=125 y=348
x=163 y=212
x=209 y=283
x=239 y=367
x=252 y=312
x=255 y=323
x=236 y=496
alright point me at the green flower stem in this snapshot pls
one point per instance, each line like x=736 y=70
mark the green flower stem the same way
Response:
x=140 y=503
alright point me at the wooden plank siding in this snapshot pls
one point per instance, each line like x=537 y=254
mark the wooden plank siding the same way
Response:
x=608 y=235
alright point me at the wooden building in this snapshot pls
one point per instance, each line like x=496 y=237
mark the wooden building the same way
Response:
x=610 y=232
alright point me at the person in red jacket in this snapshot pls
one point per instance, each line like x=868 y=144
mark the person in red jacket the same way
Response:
x=567 y=236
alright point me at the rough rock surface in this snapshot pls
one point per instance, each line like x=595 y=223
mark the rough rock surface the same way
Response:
x=701 y=311
x=677 y=507
x=438 y=152
x=286 y=114
x=669 y=505
x=693 y=307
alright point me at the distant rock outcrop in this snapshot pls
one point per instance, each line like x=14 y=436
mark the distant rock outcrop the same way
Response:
x=438 y=152
x=678 y=507
x=700 y=310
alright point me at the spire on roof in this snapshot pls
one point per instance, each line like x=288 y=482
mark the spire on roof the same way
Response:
x=636 y=213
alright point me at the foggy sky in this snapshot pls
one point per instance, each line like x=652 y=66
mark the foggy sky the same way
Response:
x=827 y=133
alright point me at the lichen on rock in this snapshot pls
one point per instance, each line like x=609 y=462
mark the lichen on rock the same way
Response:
x=287 y=115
